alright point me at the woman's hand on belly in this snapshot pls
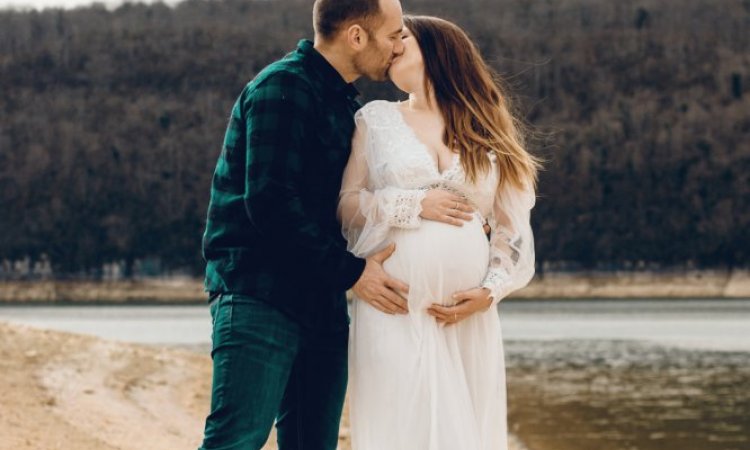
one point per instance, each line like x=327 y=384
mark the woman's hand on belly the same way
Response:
x=443 y=206
x=469 y=302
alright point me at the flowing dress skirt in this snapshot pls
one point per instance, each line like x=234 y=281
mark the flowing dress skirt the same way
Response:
x=416 y=385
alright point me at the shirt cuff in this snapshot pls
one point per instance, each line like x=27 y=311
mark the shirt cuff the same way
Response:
x=350 y=271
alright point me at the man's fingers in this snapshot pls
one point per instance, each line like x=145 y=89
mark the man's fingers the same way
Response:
x=384 y=305
x=397 y=285
x=389 y=306
x=381 y=307
x=395 y=300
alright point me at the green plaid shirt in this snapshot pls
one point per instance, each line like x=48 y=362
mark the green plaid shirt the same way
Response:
x=272 y=231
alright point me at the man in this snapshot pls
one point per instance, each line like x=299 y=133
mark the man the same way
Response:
x=277 y=265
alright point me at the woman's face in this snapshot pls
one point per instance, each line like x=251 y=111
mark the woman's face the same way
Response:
x=407 y=69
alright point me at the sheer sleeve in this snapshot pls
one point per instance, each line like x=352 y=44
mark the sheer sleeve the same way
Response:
x=511 y=264
x=367 y=213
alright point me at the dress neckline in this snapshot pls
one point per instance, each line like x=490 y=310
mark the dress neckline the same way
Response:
x=423 y=147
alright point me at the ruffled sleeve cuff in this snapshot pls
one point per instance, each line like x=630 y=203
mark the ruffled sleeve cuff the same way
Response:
x=404 y=208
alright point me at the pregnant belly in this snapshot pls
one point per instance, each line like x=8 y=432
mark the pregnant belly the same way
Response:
x=438 y=259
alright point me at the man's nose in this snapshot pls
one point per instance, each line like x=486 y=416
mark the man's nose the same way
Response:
x=398 y=48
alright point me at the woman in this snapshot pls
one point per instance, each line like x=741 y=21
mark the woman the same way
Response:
x=434 y=378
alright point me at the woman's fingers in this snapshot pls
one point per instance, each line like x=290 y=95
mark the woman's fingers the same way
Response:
x=443 y=314
x=459 y=203
x=459 y=215
x=447 y=207
x=439 y=309
x=446 y=319
x=459 y=308
x=437 y=314
x=440 y=317
x=458 y=208
x=452 y=220
x=455 y=313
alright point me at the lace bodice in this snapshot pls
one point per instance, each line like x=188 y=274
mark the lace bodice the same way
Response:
x=388 y=174
x=403 y=161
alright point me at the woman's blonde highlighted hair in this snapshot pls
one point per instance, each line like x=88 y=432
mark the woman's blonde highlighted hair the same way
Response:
x=477 y=114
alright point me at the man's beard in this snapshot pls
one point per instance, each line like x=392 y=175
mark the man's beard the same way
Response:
x=374 y=72
x=382 y=75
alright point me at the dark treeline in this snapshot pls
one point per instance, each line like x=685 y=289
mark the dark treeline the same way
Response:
x=111 y=122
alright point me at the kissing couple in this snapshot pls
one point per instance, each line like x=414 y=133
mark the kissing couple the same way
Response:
x=314 y=194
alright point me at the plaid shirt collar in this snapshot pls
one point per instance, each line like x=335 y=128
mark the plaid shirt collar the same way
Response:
x=327 y=74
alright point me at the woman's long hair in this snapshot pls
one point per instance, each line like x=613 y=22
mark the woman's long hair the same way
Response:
x=476 y=112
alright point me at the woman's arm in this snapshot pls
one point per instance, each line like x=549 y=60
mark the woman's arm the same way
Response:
x=366 y=214
x=511 y=264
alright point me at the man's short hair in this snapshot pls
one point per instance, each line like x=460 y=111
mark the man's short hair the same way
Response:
x=330 y=15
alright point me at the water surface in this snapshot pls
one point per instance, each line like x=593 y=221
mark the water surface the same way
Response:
x=708 y=324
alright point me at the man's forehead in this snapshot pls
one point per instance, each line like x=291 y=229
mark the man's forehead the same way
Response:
x=398 y=30
x=391 y=9
x=392 y=16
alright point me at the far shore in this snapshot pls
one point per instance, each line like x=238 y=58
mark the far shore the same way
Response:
x=550 y=285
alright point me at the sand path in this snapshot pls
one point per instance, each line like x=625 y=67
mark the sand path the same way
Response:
x=68 y=391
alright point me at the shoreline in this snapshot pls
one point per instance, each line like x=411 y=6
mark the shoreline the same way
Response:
x=682 y=284
x=725 y=284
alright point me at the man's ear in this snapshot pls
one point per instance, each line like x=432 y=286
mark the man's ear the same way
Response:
x=356 y=37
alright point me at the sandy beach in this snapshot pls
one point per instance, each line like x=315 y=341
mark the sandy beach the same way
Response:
x=68 y=391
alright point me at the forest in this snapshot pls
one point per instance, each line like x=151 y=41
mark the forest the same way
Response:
x=111 y=121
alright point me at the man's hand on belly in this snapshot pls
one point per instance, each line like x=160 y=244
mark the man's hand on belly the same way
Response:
x=378 y=288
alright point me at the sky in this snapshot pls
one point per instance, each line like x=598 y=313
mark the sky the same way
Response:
x=40 y=4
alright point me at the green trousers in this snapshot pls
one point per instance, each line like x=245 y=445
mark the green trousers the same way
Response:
x=266 y=368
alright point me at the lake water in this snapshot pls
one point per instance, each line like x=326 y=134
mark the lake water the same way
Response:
x=701 y=324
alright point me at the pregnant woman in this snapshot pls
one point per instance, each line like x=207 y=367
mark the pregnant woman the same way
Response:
x=425 y=175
